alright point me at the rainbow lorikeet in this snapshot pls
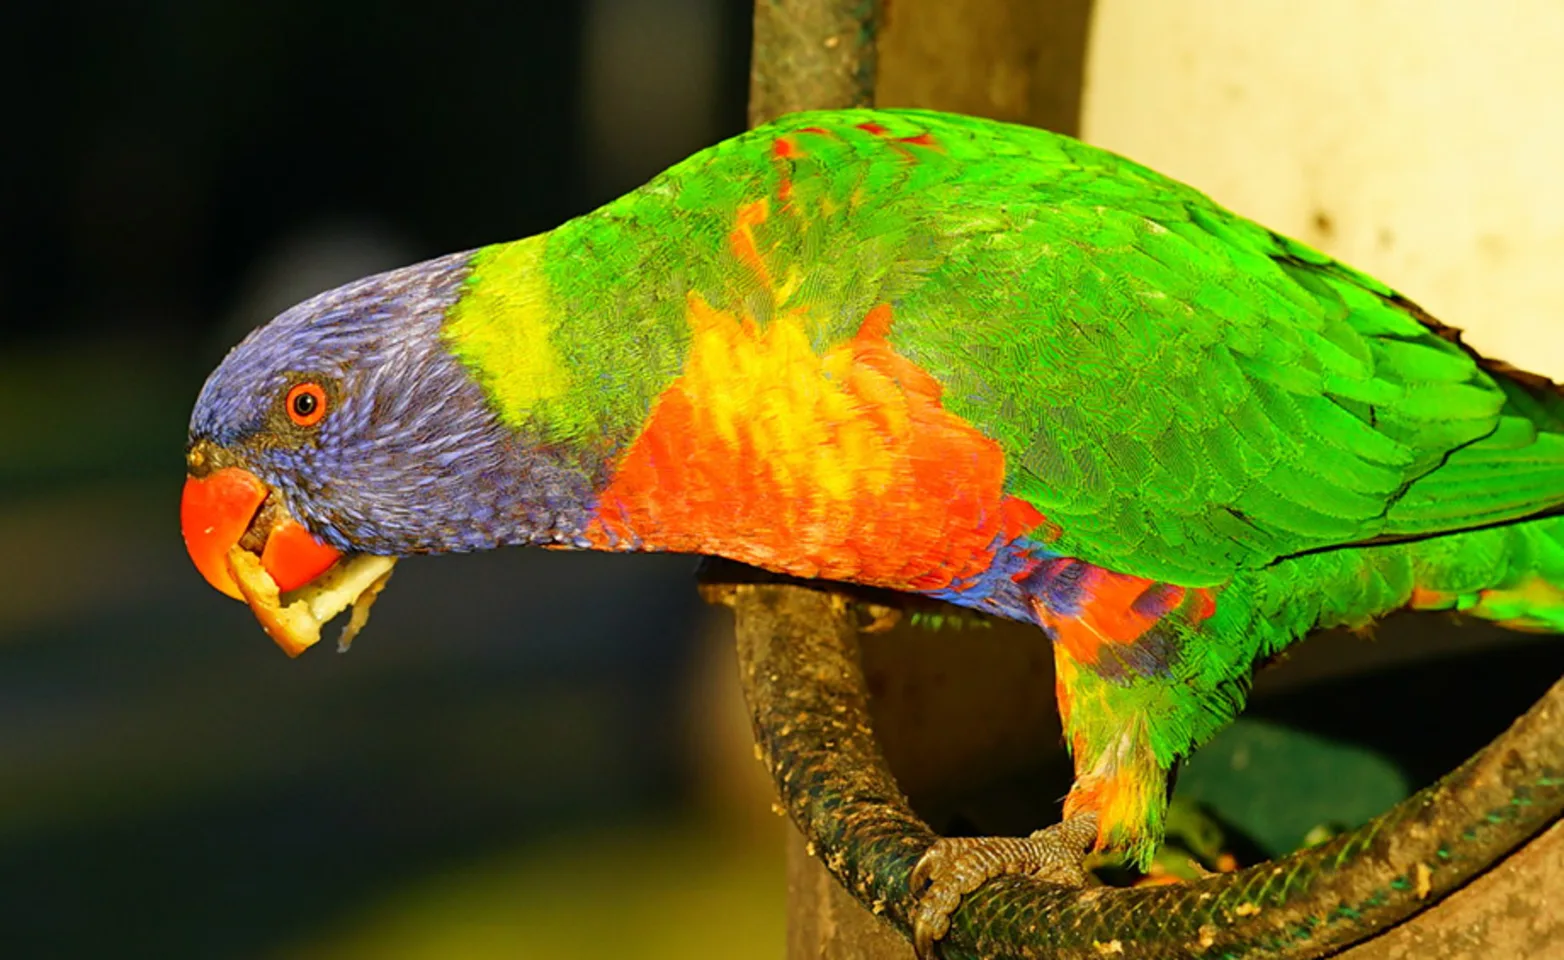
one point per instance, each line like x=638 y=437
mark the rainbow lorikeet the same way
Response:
x=942 y=355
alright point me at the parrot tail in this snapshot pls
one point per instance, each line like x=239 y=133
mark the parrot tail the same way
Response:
x=1512 y=574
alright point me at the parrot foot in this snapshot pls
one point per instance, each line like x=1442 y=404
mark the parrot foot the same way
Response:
x=955 y=866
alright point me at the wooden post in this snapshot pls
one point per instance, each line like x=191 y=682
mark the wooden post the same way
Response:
x=1018 y=60
x=811 y=55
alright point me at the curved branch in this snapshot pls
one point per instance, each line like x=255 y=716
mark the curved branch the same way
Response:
x=798 y=656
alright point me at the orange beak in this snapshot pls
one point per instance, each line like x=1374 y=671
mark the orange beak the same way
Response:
x=218 y=509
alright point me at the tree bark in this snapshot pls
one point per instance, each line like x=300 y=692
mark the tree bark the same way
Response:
x=1017 y=60
x=1509 y=912
x=811 y=55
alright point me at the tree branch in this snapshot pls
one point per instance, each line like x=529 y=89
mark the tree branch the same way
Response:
x=798 y=657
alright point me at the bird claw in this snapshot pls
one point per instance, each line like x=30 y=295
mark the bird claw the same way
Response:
x=956 y=866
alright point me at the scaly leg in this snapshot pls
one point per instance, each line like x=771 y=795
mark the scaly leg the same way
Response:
x=955 y=866
x=1117 y=802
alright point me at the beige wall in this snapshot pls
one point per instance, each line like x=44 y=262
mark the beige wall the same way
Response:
x=1420 y=141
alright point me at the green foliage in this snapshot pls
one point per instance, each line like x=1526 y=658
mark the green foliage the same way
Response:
x=1275 y=784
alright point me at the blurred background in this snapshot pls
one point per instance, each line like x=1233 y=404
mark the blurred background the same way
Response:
x=523 y=739
x=537 y=755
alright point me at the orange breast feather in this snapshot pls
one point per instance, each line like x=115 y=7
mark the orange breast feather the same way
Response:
x=842 y=466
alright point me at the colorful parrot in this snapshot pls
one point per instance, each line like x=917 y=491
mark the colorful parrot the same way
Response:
x=947 y=356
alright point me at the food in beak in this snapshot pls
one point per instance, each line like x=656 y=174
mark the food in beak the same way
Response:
x=295 y=623
x=245 y=543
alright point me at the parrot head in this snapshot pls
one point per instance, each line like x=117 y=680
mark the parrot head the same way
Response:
x=347 y=429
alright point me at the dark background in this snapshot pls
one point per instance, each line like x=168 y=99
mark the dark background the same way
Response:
x=173 y=173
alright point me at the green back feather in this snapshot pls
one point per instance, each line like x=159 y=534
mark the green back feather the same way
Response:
x=1185 y=393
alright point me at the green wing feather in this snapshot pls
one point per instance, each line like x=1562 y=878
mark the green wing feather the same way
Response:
x=1187 y=396
x=1185 y=393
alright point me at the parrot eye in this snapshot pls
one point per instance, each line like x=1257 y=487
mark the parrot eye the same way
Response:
x=306 y=403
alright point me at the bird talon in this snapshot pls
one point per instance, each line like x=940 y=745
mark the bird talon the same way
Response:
x=919 y=880
x=954 y=867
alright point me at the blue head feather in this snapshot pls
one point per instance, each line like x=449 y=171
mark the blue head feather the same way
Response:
x=410 y=456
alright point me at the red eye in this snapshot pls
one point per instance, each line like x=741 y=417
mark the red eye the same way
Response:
x=306 y=404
